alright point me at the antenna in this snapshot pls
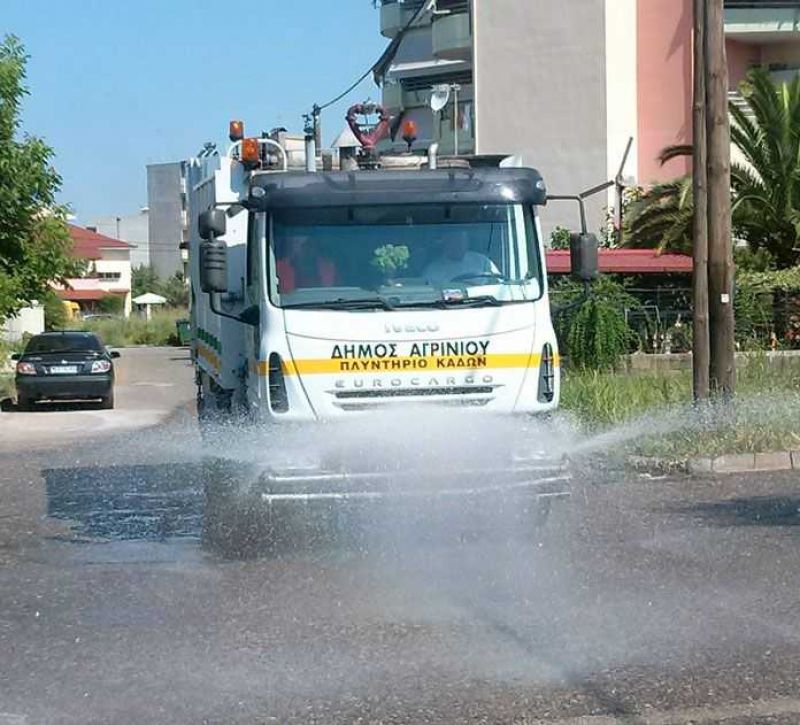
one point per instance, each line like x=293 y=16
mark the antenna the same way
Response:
x=619 y=187
x=439 y=97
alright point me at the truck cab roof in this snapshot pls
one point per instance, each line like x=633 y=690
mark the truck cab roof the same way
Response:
x=439 y=186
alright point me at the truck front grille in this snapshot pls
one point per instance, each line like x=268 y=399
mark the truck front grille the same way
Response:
x=367 y=399
x=414 y=392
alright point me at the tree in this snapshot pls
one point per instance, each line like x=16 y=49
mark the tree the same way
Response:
x=34 y=239
x=765 y=188
x=175 y=290
x=144 y=278
x=662 y=218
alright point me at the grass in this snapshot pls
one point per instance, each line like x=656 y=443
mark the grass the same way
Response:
x=655 y=415
x=123 y=332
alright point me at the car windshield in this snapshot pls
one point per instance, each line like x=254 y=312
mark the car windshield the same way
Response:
x=404 y=255
x=63 y=343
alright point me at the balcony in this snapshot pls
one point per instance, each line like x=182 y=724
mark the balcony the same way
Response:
x=395 y=15
x=452 y=36
x=759 y=21
x=405 y=96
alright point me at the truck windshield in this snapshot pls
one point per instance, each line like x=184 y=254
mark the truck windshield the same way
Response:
x=404 y=256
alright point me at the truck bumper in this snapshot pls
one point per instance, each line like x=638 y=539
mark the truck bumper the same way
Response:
x=294 y=509
x=546 y=479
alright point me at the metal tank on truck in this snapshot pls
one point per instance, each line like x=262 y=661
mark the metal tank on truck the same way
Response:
x=320 y=298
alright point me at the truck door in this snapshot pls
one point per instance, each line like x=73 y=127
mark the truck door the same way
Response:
x=253 y=289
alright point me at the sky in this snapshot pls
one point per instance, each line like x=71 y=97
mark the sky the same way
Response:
x=118 y=84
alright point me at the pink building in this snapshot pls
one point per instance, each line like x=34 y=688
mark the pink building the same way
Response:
x=566 y=84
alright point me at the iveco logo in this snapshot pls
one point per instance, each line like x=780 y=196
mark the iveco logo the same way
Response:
x=412 y=328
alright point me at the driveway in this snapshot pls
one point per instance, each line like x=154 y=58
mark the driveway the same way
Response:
x=151 y=383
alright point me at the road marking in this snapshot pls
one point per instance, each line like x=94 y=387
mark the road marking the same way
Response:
x=758 y=708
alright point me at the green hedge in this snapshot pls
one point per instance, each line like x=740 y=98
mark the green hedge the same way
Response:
x=121 y=332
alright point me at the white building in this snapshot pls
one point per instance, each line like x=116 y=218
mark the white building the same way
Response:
x=108 y=270
x=131 y=228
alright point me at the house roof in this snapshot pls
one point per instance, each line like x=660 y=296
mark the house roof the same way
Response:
x=625 y=261
x=89 y=245
x=86 y=288
x=83 y=295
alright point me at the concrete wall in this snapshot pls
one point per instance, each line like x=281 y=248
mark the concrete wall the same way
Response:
x=540 y=86
x=132 y=228
x=116 y=261
x=788 y=360
x=788 y=53
x=621 y=91
x=741 y=57
x=165 y=222
x=664 y=67
x=28 y=319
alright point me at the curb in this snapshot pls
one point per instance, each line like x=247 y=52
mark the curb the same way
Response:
x=729 y=463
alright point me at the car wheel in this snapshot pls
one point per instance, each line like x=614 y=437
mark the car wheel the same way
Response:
x=107 y=403
x=24 y=403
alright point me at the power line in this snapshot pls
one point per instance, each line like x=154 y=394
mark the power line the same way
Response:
x=390 y=50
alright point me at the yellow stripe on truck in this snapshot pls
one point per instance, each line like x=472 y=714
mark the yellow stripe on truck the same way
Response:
x=327 y=366
x=207 y=354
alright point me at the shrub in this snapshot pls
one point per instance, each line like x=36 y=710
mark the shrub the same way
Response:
x=121 y=332
x=595 y=334
x=111 y=304
x=55 y=312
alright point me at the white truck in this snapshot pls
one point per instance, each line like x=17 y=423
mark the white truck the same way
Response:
x=329 y=295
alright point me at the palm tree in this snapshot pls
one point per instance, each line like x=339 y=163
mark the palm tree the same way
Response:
x=662 y=218
x=765 y=187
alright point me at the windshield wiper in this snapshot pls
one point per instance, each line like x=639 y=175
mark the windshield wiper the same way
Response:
x=478 y=301
x=358 y=303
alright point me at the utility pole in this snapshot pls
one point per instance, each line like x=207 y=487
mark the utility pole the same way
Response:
x=700 y=339
x=720 y=248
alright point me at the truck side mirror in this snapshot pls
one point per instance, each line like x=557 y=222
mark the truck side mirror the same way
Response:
x=211 y=223
x=583 y=256
x=213 y=266
x=213 y=252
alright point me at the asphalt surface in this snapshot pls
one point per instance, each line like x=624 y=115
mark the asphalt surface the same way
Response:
x=643 y=601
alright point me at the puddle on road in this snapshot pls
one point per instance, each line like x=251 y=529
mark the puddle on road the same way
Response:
x=152 y=502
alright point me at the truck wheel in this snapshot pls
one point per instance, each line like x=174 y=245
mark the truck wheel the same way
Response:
x=235 y=523
x=213 y=404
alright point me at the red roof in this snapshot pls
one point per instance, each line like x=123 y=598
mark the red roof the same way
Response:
x=88 y=244
x=83 y=295
x=625 y=261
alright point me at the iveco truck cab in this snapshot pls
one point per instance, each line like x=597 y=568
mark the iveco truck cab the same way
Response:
x=323 y=297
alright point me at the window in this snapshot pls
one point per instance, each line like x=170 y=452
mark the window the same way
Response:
x=405 y=253
x=64 y=342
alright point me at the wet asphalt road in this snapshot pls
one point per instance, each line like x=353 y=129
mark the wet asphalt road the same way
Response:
x=644 y=601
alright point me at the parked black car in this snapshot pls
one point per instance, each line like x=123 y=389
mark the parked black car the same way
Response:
x=65 y=366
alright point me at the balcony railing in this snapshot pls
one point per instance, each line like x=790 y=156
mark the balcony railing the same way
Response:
x=762 y=3
x=745 y=18
x=452 y=36
x=395 y=15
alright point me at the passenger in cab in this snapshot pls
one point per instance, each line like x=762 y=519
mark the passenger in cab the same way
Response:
x=457 y=260
x=302 y=265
